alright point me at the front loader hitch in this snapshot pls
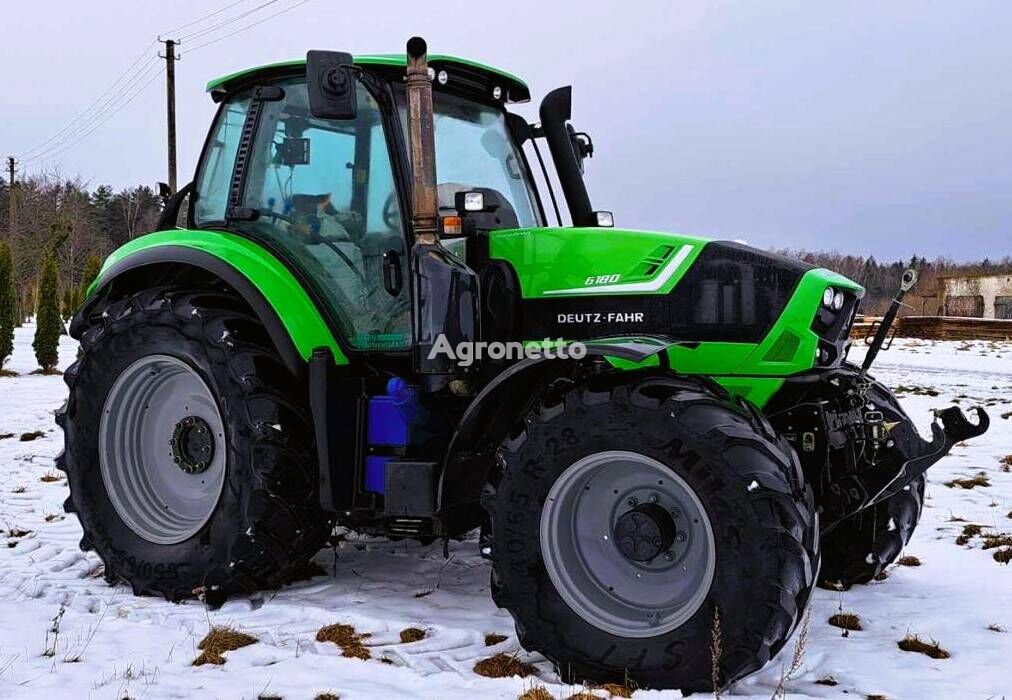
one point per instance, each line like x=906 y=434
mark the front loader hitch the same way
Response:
x=853 y=492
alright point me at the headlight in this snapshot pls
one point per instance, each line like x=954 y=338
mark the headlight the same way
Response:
x=837 y=301
x=828 y=296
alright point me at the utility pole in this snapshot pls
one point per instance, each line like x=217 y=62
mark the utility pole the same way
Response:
x=170 y=106
x=13 y=216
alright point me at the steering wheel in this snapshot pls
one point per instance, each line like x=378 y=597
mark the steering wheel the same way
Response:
x=392 y=213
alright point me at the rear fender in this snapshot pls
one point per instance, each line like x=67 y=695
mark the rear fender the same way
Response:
x=289 y=315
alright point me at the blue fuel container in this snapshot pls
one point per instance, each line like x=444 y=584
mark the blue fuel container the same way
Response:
x=390 y=418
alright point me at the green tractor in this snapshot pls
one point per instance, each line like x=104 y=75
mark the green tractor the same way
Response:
x=367 y=321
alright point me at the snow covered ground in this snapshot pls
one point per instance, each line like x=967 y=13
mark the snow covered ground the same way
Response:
x=113 y=645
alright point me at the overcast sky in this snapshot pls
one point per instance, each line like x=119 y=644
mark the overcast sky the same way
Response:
x=865 y=127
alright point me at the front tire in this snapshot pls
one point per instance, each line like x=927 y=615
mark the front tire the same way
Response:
x=188 y=448
x=622 y=613
x=863 y=545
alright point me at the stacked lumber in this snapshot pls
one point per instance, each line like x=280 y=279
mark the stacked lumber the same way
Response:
x=954 y=328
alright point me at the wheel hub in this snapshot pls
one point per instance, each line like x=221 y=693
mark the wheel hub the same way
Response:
x=192 y=445
x=644 y=532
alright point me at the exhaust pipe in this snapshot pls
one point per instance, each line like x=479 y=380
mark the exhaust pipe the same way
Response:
x=421 y=142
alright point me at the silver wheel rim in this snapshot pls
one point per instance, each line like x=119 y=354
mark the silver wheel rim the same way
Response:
x=585 y=542
x=160 y=490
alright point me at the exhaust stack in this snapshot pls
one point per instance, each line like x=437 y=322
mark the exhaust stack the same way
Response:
x=421 y=142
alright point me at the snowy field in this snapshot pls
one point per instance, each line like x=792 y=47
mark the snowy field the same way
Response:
x=112 y=645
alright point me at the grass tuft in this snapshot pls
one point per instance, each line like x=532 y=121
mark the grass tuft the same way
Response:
x=21 y=488
x=1003 y=556
x=50 y=477
x=827 y=680
x=980 y=479
x=218 y=641
x=412 y=634
x=4 y=436
x=33 y=435
x=616 y=691
x=995 y=627
x=1006 y=463
x=846 y=621
x=1000 y=539
x=969 y=531
x=914 y=643
x=347 y=638
x=503 y=666
x=538 y=692
x=327 y=696
x=908 y=560
x=493 y=638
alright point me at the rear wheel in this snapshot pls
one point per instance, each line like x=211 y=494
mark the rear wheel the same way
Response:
x=188 y=448
x=863 y=545
x=630 y=511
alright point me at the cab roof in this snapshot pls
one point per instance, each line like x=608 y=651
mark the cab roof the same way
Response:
x=514 y=88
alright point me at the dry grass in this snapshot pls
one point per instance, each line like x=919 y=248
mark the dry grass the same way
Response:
x=327 y=696
x=1003 y=556
x=1000 y=539
x=18 y=532
x=538 y=692
x=995 y=627
x=33 y=435
x=50 y=477
x=503 y=666
x=716 y=652
x=615 y=690
x=980 y=479
x=493 y=638
x=52 y=517
x=347 y=638
x=584 y=695
x=1006 y=463
x=881 y=575
x=218 y=641
x=21 y=488
x=412 y=634
x=915 y=644
x=969 y=531
x=908 y=560
x=827 y=680
x=875 y=696
x=4 y=436
x=846 y=621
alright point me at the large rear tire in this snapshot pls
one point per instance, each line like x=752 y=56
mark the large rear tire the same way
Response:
x=629 y=511
x=863 y=545
x=188 y=448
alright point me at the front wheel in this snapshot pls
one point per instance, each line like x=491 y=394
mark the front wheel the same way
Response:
x=632 y=514
x=188 y=448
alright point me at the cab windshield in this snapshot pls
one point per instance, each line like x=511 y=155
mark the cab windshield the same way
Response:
x=474 y=149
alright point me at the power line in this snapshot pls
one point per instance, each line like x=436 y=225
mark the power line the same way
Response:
x=98 y=118
x=73 y=121
x=110 y=115
x=248 y=26
x=230 y=20
x=175 y=30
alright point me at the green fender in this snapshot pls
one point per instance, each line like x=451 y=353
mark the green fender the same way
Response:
x=274 y=282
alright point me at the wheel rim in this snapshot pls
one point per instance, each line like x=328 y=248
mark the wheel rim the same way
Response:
x=627 y=544
x=162 y=449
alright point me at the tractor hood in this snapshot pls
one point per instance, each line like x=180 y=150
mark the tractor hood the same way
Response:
x=581 y=283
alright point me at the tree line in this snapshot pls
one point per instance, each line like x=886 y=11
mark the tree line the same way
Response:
x=881 y=280
x=63 y=231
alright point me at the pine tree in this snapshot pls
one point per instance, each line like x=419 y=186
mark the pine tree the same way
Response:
x=92 y=266
x=48 y=325
x=8 y=303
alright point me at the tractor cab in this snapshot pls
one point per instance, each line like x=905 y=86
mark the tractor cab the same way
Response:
x=330 y=192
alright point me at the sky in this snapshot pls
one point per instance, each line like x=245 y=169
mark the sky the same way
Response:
x=862 y=127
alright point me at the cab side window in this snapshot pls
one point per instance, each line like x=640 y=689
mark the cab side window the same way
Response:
x=323 y=192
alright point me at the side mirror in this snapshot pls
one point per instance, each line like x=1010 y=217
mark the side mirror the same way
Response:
x=331 y=81
x=583 y=145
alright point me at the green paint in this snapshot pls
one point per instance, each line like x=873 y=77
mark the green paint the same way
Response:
x=390 y=59
x=282 y=291
x=550 y=260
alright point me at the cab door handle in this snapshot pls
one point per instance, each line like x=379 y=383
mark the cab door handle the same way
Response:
x=393 y=276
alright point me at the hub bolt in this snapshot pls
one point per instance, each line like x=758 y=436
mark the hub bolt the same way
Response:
x=681 y=537
x=632 y=502
x=654 y=498
x=669 y=556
